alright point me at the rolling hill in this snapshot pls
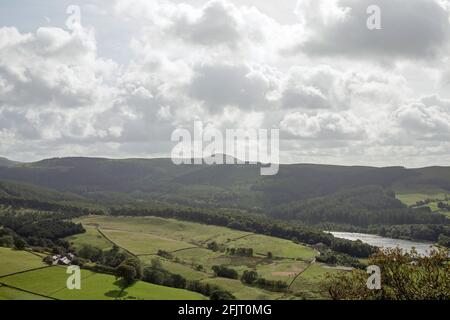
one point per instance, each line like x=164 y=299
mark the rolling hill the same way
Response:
x=234 y=186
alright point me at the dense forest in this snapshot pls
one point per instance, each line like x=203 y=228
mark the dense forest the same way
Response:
x=363 y=206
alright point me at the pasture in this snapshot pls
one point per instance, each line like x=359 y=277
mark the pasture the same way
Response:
x=193 y=233
x=243 y=292
x=281 y=248
x=91 y=237
x=187 y=243
x=94 y=286
x=13 y=261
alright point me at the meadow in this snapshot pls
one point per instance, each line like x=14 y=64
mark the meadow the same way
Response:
x=50 y=282
x=13 y=261
x=187 y=243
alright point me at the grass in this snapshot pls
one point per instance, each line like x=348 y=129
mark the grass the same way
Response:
x=412 y=198
x=194 y=233
x=144 y=236
x=187 y=271
x=7 y=293
x=309 y=284
x=243 y=292
x=16 y=261
x=281 y=270
x=94 y=286
x=91 y=237
x=143 y=243
x=279 y=247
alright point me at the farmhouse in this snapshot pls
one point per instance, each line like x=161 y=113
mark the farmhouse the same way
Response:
x=60 y=259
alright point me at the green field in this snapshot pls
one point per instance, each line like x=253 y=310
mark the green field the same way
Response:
x=185 y=270
x=94 y=286
x=186 y=241
x=91 y=237
x=281 y=270
x=13 y=261
x=193 y=233
x=143 y=243
x=308 y=284
x=279 y=247
x=243 y=292
x=7 y=293
x=51 y=281
x=145 y=235
x=412 y=198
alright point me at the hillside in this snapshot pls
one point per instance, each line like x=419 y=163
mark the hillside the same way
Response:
x=238 y=186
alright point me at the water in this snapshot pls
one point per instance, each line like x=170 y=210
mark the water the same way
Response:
x=382 y=242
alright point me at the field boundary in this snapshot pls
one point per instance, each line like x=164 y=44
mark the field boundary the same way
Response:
x=301 y=272
x=24 y=271
x=109 y=240
x=27 y=291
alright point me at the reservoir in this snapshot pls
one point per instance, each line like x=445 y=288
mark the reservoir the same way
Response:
x=382 y=242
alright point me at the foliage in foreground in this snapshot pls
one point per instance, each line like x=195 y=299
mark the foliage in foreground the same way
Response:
x=404 y=276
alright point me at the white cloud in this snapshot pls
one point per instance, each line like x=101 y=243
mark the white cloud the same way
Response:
x=324 y=125
x=229 y=65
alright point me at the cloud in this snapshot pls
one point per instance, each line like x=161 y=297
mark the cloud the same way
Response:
x=222 y=85
x=324 y=125
x=417 y=29
x=51 y=67
x=227 y=64
x=427 y=119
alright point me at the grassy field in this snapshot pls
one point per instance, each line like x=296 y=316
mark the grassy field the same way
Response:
x=412 y=198
x=51 y=281
x=144 y=243
x=281 y=270
x=308 y=284
x=185 y=270
x=187 y=242
x=243 y=292
x=145 y=235
x=7 y=293
x=279 y=247
x=91 y=237
x=94 y=286
x=15 y=261
x=193 y=233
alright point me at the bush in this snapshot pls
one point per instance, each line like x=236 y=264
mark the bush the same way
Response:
x=225 y=272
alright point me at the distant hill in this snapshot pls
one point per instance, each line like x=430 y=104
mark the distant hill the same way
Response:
x=4 y=162
x=233 y=186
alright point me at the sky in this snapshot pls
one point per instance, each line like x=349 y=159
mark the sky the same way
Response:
x=119 y=82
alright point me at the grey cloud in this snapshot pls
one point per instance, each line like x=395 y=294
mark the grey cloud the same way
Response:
x=223 y=85
x=410 y=28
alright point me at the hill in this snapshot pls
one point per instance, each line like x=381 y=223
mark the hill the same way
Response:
x=239 y=186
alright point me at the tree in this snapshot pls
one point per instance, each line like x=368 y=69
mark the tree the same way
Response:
x=249 y=276
x=444 y=241
x=225 y=272
x=90 y=252
x=129 y=271
x=221 y=295
x=19 y=243
x=404 y=276
x=126 y=273
x=213 y=246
